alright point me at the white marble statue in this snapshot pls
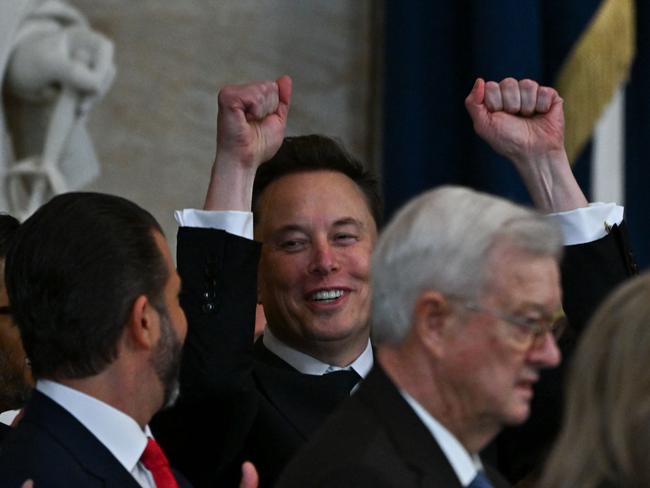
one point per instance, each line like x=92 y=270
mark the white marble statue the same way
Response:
x=54 y=67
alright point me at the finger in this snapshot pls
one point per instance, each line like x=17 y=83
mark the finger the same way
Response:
x=285 y=87
x=474 y=101
x=493 y=100
x=556 y=110
x=260 y=100
x=510 y=95
x=528 y=93
x=249 y=476
x=477 y=94
x=27 y=484
x=253 y=101
x=545 y=98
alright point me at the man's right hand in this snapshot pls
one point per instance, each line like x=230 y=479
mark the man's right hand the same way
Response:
x=250 y=129
x=251 y=121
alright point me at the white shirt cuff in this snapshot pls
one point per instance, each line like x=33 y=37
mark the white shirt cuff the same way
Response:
x=232 y=221
x=588 y=224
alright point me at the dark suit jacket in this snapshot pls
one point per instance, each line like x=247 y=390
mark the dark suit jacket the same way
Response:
x=374 y=440
x=54 y=449
x=589 y=272
x=248 y=402
x=252 y=405
x=4 y=431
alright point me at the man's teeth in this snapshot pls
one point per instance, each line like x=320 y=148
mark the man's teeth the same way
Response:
x=327 y=295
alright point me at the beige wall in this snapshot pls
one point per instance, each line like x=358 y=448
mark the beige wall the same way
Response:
x=154 y=132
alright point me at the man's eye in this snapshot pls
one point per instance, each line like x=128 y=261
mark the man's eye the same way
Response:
x=535 y=323
x=346 y=238
x=529 y=320
x=292 y=245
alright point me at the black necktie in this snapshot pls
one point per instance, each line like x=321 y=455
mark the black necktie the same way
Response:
x=343 y=380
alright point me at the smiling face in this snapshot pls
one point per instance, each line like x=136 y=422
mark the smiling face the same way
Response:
x=492 y=378
x=318 y=235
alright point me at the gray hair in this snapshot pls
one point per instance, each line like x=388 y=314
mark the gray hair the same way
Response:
x=441 y=240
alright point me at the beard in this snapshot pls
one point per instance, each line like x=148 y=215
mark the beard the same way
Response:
x=166 y=360
x=15 y=390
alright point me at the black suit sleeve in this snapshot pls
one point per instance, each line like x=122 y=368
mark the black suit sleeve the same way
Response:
x=218 y=400
x=589 y=273
x=218 y=272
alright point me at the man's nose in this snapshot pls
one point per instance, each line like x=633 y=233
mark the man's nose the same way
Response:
x=546 y=354
x=323 y=259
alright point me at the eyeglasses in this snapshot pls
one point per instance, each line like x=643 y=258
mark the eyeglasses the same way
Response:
x=5 y=310
x=527 y=333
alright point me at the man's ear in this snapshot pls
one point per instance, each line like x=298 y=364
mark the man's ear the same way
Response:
x=143 y=323
x=430 y=319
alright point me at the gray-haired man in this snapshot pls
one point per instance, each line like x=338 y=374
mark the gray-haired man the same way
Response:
x=463 y=319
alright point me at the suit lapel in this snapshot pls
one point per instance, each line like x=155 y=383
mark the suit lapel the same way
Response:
x=303 y=400
x=267 y=358
x=409 y=435
x=77 y=440
x=181 y=480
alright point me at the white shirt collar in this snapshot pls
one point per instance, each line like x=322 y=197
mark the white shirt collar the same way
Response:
x=465 y=465
x=118 y=432
x=307 y=364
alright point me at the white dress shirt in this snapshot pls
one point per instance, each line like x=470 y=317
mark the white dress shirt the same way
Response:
x=588 y=224
x=578 y=226
x=307 y=364
x=118 y=432
x=464 y=464
x=232 y=221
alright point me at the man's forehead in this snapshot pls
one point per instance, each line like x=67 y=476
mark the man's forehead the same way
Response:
x=298 y=198
x=525 y=280
x=301 y=182
x=300 y=225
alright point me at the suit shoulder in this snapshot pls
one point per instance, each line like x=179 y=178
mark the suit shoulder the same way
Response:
x=31 y=452
x=351 y=449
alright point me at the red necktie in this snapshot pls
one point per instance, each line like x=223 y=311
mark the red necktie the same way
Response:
x=154 y=459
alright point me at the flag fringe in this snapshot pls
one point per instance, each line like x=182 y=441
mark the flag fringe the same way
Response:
x=597 y=65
